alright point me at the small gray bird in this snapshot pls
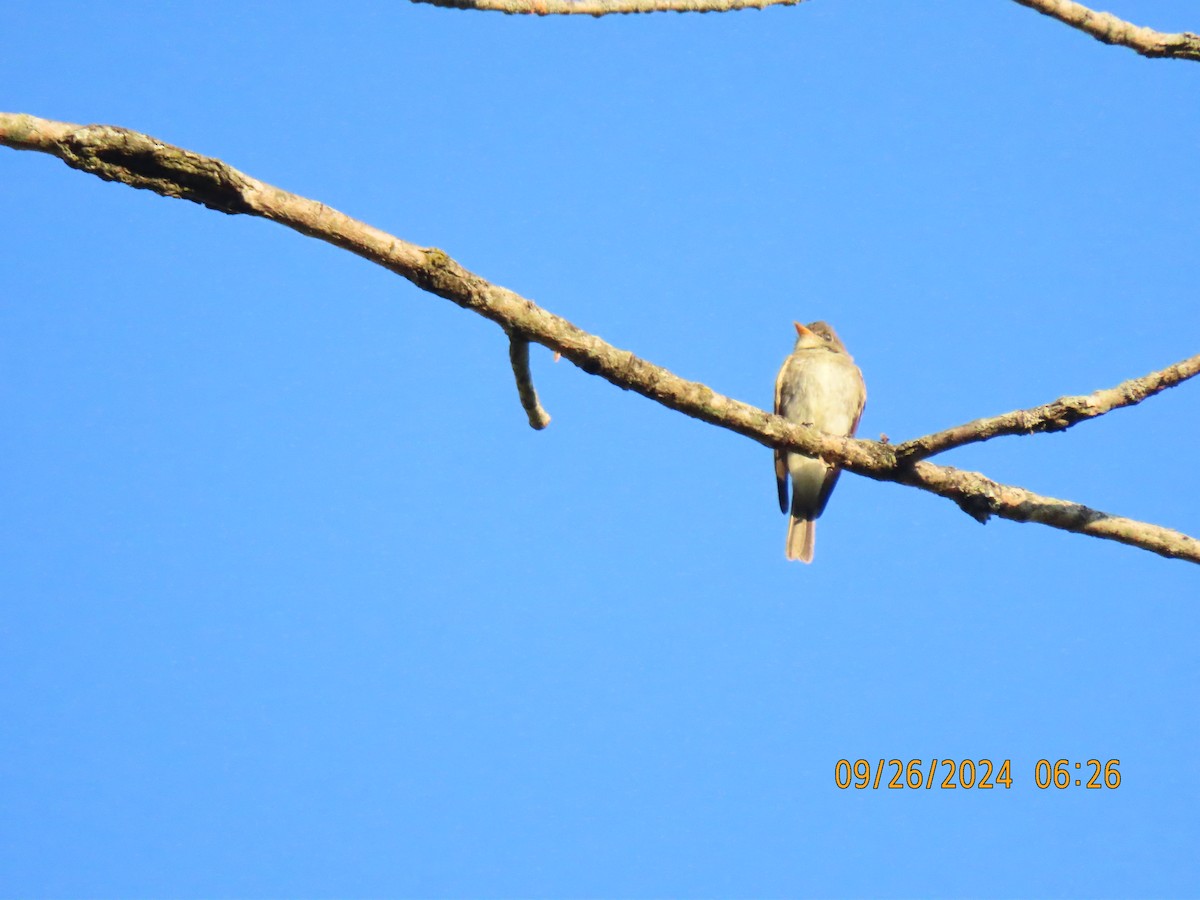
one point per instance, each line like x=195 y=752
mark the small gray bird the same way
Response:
x=819 y=385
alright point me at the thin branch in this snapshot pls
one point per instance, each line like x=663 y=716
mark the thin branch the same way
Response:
x=605 y=7
x=518 y=355
x=1057 y=416
x=1107 y=28
x=117 y=154
x=1102 y=26
x=980 y=498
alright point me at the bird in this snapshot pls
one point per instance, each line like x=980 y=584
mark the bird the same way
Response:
x=818 y=385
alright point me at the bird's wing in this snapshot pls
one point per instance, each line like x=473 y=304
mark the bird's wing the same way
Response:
x=862 y=404
x=781 y=471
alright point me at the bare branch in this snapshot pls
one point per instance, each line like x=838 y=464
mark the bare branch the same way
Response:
x=118 y=154
x=980 y=497
x=1109 y=29
x=605 y=7
x=1057 y=416
x=518 y=355
x=1101 y=25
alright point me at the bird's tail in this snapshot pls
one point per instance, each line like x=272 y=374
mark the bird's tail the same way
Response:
x=802 y=534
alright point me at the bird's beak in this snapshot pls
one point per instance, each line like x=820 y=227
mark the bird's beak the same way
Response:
x=802 y=331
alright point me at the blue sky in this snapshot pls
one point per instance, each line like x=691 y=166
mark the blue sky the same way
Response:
x=295 y=603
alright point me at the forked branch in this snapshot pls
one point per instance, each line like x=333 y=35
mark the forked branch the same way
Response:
x=138 y=160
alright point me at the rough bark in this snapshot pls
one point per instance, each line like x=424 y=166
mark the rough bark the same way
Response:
x=138 y=160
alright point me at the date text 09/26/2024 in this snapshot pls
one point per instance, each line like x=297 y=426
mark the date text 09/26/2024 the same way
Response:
x=979 y=774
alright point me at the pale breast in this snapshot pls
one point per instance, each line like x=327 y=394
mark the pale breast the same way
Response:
x=822 y=389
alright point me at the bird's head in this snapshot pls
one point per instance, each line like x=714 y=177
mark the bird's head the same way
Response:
x=817 y=336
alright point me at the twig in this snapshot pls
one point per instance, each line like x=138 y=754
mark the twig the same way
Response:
x=605 y=7
x=1057 y=416
x=118 y=154
x=518 y=355
x=1109 y=29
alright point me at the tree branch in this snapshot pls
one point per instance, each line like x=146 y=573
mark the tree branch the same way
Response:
x=1107 y=28
x=605 y=7
x=118 y=154
x=1057 y=416
x=980 y=497
x=1102 y=26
